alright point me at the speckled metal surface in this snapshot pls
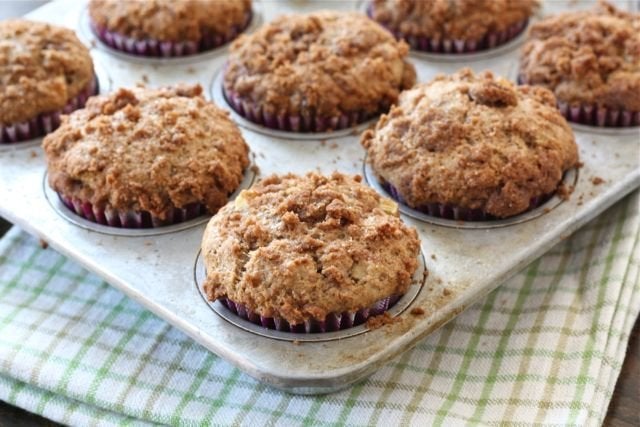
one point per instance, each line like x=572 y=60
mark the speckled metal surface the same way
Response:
x=158 y=270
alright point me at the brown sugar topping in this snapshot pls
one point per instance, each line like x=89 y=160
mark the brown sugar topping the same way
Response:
x=147 y=150
x=473 y=141
x=169 y=20
x=451 y=19
x=301 y=247
x=325 y=64
x=42 y=67
x=588 y=57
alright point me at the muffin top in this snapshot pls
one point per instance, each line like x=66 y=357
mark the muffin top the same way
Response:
x=451 y=19
x=475 y=142
x=302 y=247
x=169 y=20
x=42 y=67
x=588 y=57
x=325 y=64
x=147 y=150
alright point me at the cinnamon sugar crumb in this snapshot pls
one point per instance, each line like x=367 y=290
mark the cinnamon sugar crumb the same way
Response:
x=381 y=320
x=596 y=180
x=417 y=311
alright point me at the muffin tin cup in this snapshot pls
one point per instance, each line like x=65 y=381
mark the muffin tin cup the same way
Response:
x=455 y=217
x=167 y=49
x=595 y=115
x=489 y=41
x=133 y=223
x=331 y=323
x=336 y=326
x=457 y=213
x=305 y=123
x=46 y=123
x=131 y=218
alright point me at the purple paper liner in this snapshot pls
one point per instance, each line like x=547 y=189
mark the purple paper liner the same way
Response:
x=490 y=40
x=130 y=218
x=595 y=115
x=46 y=122
x=457 y=213
x=333 y=322
x=299 y=122
x=167 y=49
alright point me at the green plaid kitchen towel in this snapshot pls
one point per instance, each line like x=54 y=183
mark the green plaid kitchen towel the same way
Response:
x=545 y=348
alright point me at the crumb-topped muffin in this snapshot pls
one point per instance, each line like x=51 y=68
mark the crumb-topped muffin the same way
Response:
x=167 y=27
x=44 y=71
x=591 y=61
x=316 y=72
x=309 y=253
x=453 y=26
x=472 y=147
x=146 y=157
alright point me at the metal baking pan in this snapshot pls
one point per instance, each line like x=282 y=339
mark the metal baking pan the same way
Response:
x=159 y=271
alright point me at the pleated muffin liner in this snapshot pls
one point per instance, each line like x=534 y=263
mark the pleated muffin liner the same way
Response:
x=331 y=323
x=595 y=115
x=167 y=49
x=297 y=122
x=490 y=40
x=131 y=218
x=458 y=213
x=46 y=123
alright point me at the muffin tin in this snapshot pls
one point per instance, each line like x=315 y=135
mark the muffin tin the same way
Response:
x=160 y=270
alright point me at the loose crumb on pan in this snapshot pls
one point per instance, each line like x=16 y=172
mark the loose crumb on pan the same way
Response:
x=381 y=320
x=596 y=180
x=417 y=311
x=44 y=244
x=564 y=191
x=433 y=257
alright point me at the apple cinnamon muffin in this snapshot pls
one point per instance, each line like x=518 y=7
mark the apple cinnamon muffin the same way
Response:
x=453 y=26
x=44 y=71
x=472 y=147
x=590 y=60
x=168 y=28
x=139 y=158
x=309 y=253
x=317 y=72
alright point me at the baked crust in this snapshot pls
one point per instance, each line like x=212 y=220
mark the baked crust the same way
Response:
x=586 y=58
x=42 y=67
x=301 y=247
x=321 y=64
x=451 y=19
x=475 y=142
x=147 y=150
x=169 y=20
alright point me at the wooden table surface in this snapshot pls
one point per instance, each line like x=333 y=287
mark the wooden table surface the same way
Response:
x=624 y=409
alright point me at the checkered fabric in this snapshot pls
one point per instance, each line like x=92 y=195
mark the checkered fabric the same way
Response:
x=544 y=348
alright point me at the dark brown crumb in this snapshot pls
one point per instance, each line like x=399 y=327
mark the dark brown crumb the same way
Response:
x=433 y=257
x=43 y=244
x=580 y=165
x=255 y=169
x=417 y=311
x=596 y=180
x=383 y=319
x=564 y=191
x=446 y=292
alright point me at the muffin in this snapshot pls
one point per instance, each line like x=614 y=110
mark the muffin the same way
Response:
x=139 y=158
x=453 y=26
x=472 y=147
x=44 y=71
x=316 y=72
x=591 y=61
x=168 y=28
x=309 y=253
